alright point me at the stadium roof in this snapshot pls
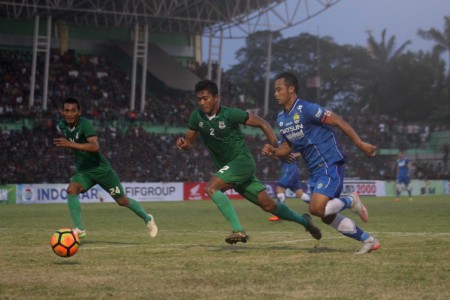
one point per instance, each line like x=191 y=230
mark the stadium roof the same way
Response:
x=237 y=18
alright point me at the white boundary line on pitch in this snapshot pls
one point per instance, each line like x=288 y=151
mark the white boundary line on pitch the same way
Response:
x=408 y=234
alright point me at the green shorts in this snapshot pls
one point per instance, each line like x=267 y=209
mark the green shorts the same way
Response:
x=109 y=181
x=241 y=173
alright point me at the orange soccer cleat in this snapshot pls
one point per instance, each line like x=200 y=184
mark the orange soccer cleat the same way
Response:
x=275 y=218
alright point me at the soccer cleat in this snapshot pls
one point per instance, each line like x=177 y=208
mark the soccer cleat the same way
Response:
x=81 y=233
x=275 y=218
x=311 y=228
x=358 y=207
x=152 y=228
x=369 y=246
x=237 y=236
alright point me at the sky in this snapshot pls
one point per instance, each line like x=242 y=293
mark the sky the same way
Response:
x=348 y=21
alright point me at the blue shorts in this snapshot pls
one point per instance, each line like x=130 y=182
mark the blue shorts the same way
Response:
x=403 y=179
x=328 y=181
x=290 y=180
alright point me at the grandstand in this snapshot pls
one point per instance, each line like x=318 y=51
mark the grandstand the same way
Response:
x=91 y=57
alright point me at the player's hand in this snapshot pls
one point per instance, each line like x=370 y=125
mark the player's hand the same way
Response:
x=368 y=149
x=268 y=150
x=290 y=158
x=182 y=144
x=61 y=142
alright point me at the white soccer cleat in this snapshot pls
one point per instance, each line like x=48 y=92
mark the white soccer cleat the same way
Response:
x=81 y=233
x=358 y=207
x=371 y=244
x=152 y=228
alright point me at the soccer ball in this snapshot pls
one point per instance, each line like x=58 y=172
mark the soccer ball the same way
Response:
x=65 y=242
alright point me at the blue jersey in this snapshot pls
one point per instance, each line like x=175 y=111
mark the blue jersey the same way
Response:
x=304 y=127
x=403 y=171
x=402 y=167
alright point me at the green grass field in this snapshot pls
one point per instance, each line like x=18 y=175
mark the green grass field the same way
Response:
x=190 y=260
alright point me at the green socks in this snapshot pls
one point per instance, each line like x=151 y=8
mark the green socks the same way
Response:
x=138 y=210
x=75 y=210
x=281 y=211
x=288 y=214
x=223 y=203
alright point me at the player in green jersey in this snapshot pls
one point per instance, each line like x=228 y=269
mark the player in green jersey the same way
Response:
x=219 y=127
x=92 y=167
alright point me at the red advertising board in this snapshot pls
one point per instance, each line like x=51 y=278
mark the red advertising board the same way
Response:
x=196 y=191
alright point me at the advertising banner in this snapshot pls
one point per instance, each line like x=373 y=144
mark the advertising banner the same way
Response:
x=364 y=187
x=419 y=187
x=154 y=191
x=8 y=194
x=57 y=193
x=196 y=191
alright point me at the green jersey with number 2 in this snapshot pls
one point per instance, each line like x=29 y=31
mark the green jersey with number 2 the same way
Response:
x=222 y=134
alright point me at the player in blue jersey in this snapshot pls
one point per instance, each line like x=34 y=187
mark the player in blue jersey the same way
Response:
x=402 y=171
x=307 y=128
x=290 y=179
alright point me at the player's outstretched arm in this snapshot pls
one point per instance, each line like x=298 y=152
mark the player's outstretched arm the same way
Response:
x=255 y=121
x=185 y=143
x=337 y=121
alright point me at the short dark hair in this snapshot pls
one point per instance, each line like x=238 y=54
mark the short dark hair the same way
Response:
x=207 y=85
x=72 y=101
x=290 y=79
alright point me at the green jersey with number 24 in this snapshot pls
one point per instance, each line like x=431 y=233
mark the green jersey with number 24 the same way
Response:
x=91 y=162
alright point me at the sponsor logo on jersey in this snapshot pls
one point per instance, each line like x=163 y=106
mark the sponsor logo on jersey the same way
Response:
x=293 y=132
x=222 y=124
x=296 y=118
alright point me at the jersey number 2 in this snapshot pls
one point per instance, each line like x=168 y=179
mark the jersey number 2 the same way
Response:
x=224 y=169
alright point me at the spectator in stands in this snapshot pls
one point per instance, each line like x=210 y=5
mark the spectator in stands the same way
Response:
x=445 y=150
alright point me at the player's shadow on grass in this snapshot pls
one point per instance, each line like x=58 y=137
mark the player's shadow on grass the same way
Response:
x=67 y=262
x=247 y=247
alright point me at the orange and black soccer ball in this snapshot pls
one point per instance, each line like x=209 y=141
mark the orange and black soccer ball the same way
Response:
x=65 y=242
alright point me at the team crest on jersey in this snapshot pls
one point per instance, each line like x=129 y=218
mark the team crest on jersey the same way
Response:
x=222 y=124
x=319 y=112
x=299 y=108
x=280 y=124
x=200 y=124
x=319 y=186
x=296 y=118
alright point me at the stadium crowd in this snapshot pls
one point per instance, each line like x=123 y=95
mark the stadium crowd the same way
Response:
x=29 y=156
